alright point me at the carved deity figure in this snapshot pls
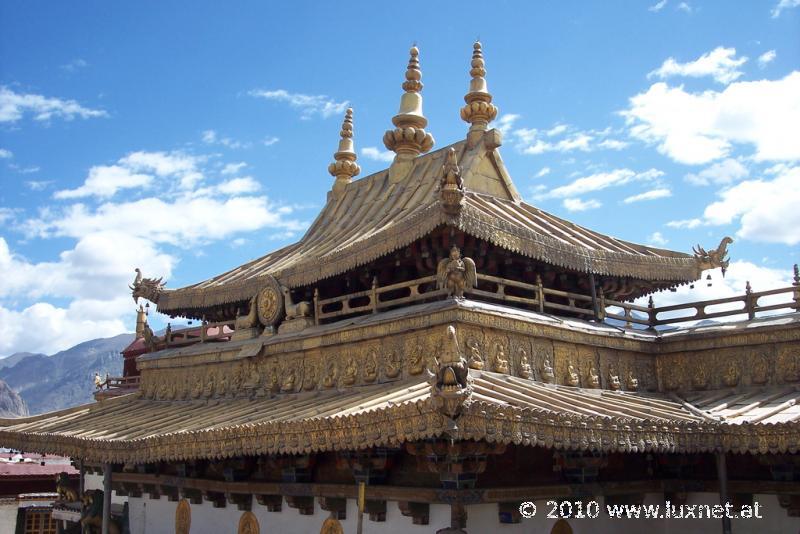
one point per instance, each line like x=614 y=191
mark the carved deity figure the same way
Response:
x=475 y=358
x=731 y=376
x=197 y=388
x=208 y=390
x=289 y=379
x=371 y=366
x=392 y=367
x=592 y=378
x=500 y=363
x=759 y=373
x=350 y=372
x=455 y=274
x=329 y=380
x=700 y=377
x=251 y=377
x=613 y=379
x=525 y=370
x=415 y=364
x=572 y=376
x=548 y=376
x=309 y=376
x=631 y=383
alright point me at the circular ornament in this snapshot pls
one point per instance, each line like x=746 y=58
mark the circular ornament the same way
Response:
x=270 y=302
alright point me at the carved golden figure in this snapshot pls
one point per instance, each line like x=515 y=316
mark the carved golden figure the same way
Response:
x=572 y=378
x=731 y=376
x=393 y=364
x=593 y=378
x=548 y=376
x=329 y=380
x=525 y=370
x=475 y=358
x=500 y=363
x=613 y=379
x=371 y=366
x=456 y=274
x=631 y=383
x=415 y=363
x=350 y=372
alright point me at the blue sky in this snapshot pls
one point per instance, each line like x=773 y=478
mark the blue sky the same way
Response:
x=188 y=137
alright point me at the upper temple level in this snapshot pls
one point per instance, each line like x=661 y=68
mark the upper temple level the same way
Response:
x=446 y=223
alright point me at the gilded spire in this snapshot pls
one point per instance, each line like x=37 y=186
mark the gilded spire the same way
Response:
x=344 y=166
x=479 y=110
x=409 y=138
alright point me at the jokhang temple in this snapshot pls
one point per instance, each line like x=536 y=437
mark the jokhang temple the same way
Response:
x=433 y=353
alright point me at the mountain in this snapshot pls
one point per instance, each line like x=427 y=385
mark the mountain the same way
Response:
x=15 y=358
x=11 y=404
x=65 y=379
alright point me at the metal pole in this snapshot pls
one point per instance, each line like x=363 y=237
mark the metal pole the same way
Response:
x=106 y=497
x=722 y=474
x=362 y=490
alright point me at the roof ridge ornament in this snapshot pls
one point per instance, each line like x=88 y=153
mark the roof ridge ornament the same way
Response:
x=451 y=186
x=479 y=110
x=409 y=138
x=344 y=166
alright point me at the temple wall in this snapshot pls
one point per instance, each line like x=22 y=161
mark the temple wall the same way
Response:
x=158 y=517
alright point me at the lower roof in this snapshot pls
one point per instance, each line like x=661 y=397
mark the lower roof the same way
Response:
x=499 y=408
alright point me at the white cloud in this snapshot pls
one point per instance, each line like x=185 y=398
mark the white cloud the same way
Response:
x=137 y=170
x=239 y=186
x=6 y=154
x=655 y=8
x=657 y=239
x=562 y=138
x=697 y=128
x=210 y=137
x=544 y=172
x=602 y=180
x=576 y=204
x=75 y=64
x=99 y=267
x=371 y=152
x=505 y=122
x=766 y=58
x=13 y=106
x=269 y=141
x=309 y=105
x=721 y=64
x=685 y=224
x=784 y=4
x=184 y=221
x=653 y=194
x=38 y=185
x=767 y=210
x=721 y=173
x=685 y=7
x=233 y=168
x=104 y=181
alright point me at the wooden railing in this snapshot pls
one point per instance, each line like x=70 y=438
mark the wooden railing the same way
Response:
x=543 y=299
x=124 y=382
x=531 y=296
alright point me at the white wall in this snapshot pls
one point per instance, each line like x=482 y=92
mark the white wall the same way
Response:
x=92 y=482
x=158 y=517
x=8 y=515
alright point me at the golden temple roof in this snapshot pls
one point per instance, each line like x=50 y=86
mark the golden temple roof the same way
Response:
x=500 y=408
x=388 y=210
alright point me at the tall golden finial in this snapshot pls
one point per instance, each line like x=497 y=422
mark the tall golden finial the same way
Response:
x=479 y=110
x=409 y=139
x=344 y=166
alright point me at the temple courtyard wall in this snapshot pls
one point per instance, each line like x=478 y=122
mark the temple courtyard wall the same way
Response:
x=157 y=516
